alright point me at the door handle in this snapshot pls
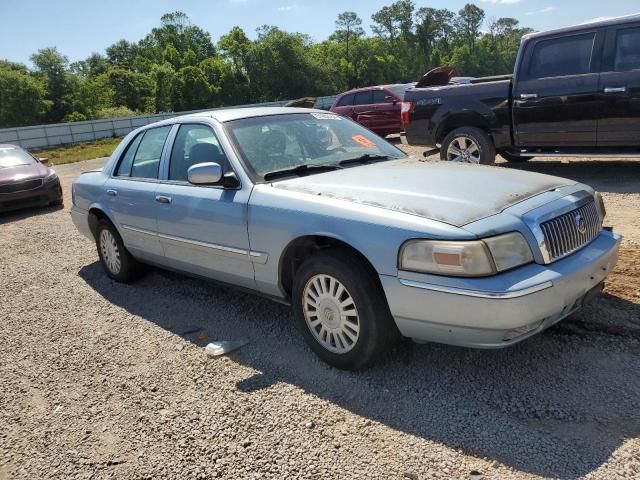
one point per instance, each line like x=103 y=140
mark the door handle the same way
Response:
x=163 y=199
x=528 y=96
x=113 y=193
x=615 y=90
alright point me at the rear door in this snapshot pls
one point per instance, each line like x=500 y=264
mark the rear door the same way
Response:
x=619 y=124
x=386 y=118
x=364 y=108
x=556 y=98
x=130 y=193
x=344 y=106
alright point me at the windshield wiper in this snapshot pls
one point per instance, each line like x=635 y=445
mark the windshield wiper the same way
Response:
x=300 y=170
x=366 y=158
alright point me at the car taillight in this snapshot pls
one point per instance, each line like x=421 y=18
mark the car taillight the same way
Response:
x=406 y=109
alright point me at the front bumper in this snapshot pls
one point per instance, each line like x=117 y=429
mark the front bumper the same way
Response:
x=498 y=311
x=45 y=194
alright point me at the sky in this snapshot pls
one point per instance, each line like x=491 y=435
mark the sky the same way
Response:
x=79 y=27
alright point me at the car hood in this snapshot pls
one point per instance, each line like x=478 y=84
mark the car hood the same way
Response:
x=453 y=193
x=22 y=172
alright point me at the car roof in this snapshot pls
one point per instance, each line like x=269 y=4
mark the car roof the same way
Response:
x=9 y=145
x=230 y=114
x=597 y=23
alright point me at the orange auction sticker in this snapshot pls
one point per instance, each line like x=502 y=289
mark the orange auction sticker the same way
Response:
x=364 y=141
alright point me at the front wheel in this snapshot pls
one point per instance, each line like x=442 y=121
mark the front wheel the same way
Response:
x=117 y=262
x=341 y=310
x=468 y=145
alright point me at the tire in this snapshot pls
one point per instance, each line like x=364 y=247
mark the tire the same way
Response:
x=480 y=151
x=346 y=347
x=116 y=260
x=509 y=157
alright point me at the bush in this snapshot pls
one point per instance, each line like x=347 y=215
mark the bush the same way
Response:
x=115 y=112
x=74 y=117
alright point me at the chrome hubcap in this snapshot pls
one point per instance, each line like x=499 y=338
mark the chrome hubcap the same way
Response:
x=110 y=252
x=464 y=150
x=331 y=314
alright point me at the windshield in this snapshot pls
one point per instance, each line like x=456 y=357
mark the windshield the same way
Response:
x=283 y=142
x=14 y=157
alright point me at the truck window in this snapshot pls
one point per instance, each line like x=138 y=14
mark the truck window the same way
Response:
x=563 y=56
x=627 y=50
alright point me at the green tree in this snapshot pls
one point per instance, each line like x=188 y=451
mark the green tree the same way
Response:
x=22 y=98
x=348 y=27
x=469 y=20
x=131 y=89
x=191 y=89
x=51 y=66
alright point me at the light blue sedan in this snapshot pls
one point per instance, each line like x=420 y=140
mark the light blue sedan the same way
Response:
x=366 y=244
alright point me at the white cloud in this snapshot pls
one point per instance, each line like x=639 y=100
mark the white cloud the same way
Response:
x=544 y=10
x=288 y=8
x=501 y=2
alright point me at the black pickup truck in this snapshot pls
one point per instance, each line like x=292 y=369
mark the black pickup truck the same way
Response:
x=574 y=92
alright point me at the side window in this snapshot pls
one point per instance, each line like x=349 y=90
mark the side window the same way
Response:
x=379 y=96
x=363 y=98
x=346 y=101
x=124 y=169
x=562 y=56
x=194 y=144
x=627 y=50
x=146 y=162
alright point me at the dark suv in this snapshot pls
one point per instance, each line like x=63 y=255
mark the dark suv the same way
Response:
x=377 y=108
x=574 y=91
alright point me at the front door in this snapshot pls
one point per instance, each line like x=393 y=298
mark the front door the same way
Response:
x=203 y=229
x=130 y=194
x=556 y=99
x=619 y=124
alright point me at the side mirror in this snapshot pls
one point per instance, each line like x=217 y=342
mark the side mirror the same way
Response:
x=208 y=173
x=43 y=160
x=390 y=99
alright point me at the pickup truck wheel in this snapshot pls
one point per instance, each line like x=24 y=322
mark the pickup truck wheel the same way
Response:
x=468 y=145
x=341 y=310
x=116 y=260
x=509 y=157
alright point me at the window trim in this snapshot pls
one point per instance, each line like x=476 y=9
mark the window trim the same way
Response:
x=594 y=62
x=165 y=165
x=611 y=44
x=126 y=149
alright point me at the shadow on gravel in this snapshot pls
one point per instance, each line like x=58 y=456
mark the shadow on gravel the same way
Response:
x=557 y=405
x=612 y=176
x=24 y=213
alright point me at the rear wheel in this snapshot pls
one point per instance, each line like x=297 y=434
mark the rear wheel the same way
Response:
x=468 y=145
x=115 y=258
x=341 y=310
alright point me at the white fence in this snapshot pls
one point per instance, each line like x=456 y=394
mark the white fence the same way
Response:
x=43 y=136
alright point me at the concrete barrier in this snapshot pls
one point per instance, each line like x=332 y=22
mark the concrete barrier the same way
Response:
x=43 y=136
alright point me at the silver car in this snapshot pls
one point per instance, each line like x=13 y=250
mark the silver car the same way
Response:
x=365 y=243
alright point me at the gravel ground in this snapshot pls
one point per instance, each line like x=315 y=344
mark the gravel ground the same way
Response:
x=100 y=380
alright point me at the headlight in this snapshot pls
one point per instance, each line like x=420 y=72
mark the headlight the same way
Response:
x=600 y=203
x=51 y=176
x=478 y=258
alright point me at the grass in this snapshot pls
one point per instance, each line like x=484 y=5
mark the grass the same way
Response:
x=82 y=151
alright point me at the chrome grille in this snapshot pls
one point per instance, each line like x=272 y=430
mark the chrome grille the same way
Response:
x=20 y=186
x=570 y=232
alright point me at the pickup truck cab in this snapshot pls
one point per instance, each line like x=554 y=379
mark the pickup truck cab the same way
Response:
x=574 y=91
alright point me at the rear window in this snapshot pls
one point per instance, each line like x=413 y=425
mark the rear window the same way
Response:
x=364 y=98
x=379 y=96
x=627 y=50
x=564 y=56
x=346 y=101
